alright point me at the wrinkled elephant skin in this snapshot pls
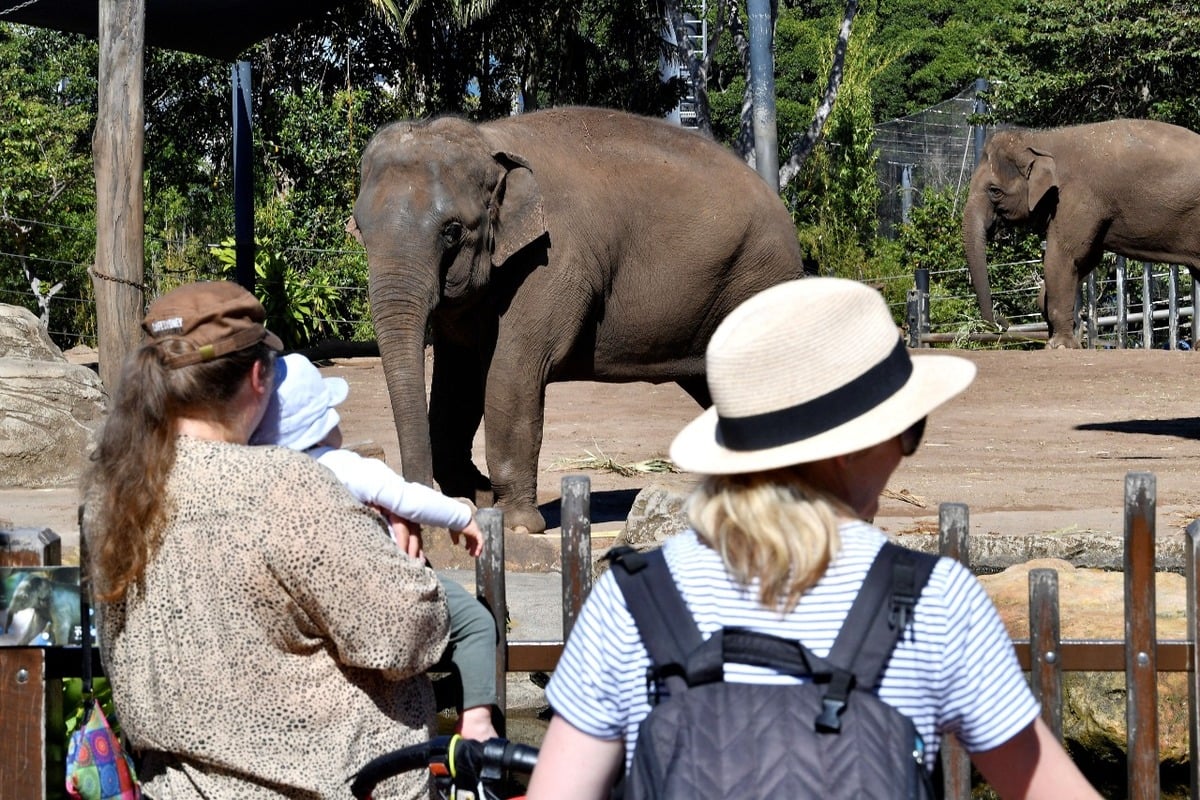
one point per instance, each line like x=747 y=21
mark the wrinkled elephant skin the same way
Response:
x=566 y=244
x=1128 y=186
x=53 y=605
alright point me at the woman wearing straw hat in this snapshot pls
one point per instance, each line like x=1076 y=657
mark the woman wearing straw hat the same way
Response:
x=815 y=403
x=262 y=634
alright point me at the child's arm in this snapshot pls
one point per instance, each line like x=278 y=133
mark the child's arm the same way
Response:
x=375 y=483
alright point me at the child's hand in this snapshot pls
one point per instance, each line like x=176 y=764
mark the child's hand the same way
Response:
x=471 y=538
x=405 y=533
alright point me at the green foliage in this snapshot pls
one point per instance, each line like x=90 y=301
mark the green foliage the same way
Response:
x=47 y=190
x=301 y=306
x=932 y=239
x=1058 y=62
x=834 y=199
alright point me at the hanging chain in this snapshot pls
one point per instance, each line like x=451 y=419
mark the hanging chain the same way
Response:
x=95 y=273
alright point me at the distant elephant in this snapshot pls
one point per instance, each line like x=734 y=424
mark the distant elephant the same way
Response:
x=54 y=605
x=565 y=244
x=1128 y=186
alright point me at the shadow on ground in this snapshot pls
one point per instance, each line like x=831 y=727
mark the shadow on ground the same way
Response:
x=1183 y=427
x=609 y=506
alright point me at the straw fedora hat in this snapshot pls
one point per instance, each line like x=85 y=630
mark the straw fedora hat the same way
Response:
x=807 y=370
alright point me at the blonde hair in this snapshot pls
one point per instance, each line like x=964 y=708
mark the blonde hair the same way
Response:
x=124 y=486
x=771 y=527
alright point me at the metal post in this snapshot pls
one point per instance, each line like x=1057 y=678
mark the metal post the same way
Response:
x=921 y=279
x=762 y=92
x=1147 y=309
x=1093 y=332
x=1173 y=308
x=243 y=177
x=981 y=85
x=1122 y=311
x=1195 y=309
x=906 y=192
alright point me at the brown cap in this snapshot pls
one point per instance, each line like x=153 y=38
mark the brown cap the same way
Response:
x=213 y=317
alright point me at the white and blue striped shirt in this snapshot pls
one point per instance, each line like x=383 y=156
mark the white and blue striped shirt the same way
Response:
x=955 y=671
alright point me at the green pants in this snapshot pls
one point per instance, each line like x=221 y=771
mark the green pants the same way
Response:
x=471 y=652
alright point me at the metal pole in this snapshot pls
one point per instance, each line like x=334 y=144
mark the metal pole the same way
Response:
x=762 y=92
x=1147 y=310
x=921 y=279
x=243 y=177
x=1093 y=333
x=981 y=85
x=1173 y=308
x=1121 y=309
x=906 y=192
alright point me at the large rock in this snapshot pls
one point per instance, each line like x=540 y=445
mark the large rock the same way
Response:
x=49 y=408
x=1091 y=604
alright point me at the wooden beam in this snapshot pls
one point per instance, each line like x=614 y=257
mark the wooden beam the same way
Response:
x=119 y=271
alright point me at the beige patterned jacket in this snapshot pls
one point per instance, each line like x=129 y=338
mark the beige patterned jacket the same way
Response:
x=280 y=639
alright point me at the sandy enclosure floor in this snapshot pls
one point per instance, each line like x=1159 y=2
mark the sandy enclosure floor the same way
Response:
x=1041 y=442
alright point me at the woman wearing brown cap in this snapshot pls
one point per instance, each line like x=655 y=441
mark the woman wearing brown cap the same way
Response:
x=262 y=634
x=816 y=402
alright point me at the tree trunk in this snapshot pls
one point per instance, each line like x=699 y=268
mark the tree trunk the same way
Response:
x=117 y=149
x=802 y=149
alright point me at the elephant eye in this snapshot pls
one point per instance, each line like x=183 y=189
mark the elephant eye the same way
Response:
x=995 y=192
x=452 y=234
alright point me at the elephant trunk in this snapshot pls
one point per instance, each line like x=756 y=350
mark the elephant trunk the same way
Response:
x=401 y=315
x=978 y=219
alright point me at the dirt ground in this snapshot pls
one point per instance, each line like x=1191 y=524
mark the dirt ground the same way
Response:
x=1041 y=442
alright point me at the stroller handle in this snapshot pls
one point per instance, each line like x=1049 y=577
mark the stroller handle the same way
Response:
x=465 y=759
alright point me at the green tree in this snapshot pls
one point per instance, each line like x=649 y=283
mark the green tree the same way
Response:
x=47 y=189
x=1058 y=62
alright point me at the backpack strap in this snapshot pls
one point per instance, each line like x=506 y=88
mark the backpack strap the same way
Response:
x=665 y=624
x=877 y=619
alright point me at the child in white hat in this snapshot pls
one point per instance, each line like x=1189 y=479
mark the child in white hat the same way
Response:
x=301 y=416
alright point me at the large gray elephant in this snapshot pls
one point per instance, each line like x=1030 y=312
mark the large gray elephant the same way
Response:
x=1127 y=186
x=566 y=244
x=55 y=608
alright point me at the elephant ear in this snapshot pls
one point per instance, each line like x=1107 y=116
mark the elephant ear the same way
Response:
x=1042 y=176
x=518 y=218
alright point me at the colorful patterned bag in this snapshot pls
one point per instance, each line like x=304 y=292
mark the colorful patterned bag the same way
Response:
x=98 y=768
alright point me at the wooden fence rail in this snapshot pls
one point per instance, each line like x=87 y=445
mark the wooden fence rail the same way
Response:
x=1045 y=655
x=29 y=688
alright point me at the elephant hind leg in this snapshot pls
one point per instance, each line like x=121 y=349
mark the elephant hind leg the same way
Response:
x=697 y=389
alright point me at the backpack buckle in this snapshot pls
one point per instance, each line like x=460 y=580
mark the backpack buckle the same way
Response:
x=830 y=719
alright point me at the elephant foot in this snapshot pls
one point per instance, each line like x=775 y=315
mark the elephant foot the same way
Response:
x=523 y=519
x=1062 y=342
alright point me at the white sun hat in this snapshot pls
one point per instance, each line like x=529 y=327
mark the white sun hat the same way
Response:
x=807 y=370
x=301 y=410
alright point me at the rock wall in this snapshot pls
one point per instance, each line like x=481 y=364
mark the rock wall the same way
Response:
x=49 y=408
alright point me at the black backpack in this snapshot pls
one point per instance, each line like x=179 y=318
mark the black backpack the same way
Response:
x=830 y=737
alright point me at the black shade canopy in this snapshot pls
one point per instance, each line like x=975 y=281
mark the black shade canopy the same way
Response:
x=215 y=28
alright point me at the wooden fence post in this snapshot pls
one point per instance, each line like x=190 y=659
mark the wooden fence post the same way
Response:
x=953 y=528
x=1046 y=666
x=27 y=700
x=1192 y=569
x=1141 y=657
x=489 y=583
x=576 y=547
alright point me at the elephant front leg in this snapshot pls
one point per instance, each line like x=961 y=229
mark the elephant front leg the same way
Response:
x=1062 y=284
x=513 y=431
x=455 y=411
